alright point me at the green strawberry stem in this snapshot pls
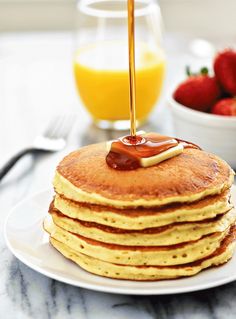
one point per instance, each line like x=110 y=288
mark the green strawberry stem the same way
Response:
x=203 y=71
x=188 y=72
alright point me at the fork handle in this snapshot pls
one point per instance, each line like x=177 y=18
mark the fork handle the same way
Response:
x=12 y=161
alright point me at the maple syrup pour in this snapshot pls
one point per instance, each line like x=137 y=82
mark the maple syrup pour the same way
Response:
x=126 y=152
x=132 y=84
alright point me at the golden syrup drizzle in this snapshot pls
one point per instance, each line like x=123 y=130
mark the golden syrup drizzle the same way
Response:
x=132 y=81
x=126 y=152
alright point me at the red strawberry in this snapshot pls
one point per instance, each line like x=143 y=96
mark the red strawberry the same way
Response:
x=225 y=107
x=199 y=91
x=225 y=70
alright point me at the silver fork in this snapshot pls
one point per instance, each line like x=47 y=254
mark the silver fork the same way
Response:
x=52 y=140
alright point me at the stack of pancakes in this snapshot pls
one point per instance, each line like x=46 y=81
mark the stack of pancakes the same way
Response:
x=165 y=221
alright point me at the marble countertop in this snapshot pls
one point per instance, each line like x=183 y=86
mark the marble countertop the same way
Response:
x=35 y=83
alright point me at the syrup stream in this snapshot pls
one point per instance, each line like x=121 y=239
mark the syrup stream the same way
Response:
x=126 y=152
x=132 y=83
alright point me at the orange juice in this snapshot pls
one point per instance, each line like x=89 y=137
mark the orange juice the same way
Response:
x=102 y=79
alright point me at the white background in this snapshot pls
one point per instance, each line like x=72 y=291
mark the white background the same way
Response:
x=198 y=17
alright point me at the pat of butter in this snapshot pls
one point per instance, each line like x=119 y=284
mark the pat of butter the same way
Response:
x=171 y=152
x=108 y=145
x=153 y=160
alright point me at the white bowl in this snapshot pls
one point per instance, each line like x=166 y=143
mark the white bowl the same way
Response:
x=213 y=133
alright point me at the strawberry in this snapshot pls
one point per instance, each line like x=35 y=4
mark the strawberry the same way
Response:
x=198 y=92
x=225 y=107
x=225 y=70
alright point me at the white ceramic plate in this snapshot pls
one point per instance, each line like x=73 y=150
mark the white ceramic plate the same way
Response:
x=29 y=243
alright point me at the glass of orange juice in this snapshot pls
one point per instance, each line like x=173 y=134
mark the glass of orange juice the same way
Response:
x=101 y=60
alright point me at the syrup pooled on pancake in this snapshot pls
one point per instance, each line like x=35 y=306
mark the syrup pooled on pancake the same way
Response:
x=187 y=144
x=127 y=152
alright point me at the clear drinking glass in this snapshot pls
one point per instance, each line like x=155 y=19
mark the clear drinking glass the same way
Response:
x=101 y=60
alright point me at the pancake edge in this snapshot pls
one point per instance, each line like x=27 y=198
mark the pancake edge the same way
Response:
x=66 y=188
x=138 y=255
x=160 y=218
x=171 y=235
x=104 y=269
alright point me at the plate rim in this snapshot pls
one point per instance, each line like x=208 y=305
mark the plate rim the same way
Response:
x=96 y=286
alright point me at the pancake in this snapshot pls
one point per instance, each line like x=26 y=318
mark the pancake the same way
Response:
x=137 y=255
x=165 y=221
x=84 y=176
x=158 y=236
x=141 y=273
x=141 y=218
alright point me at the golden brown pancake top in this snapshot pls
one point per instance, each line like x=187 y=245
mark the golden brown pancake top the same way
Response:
x=193 y=171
